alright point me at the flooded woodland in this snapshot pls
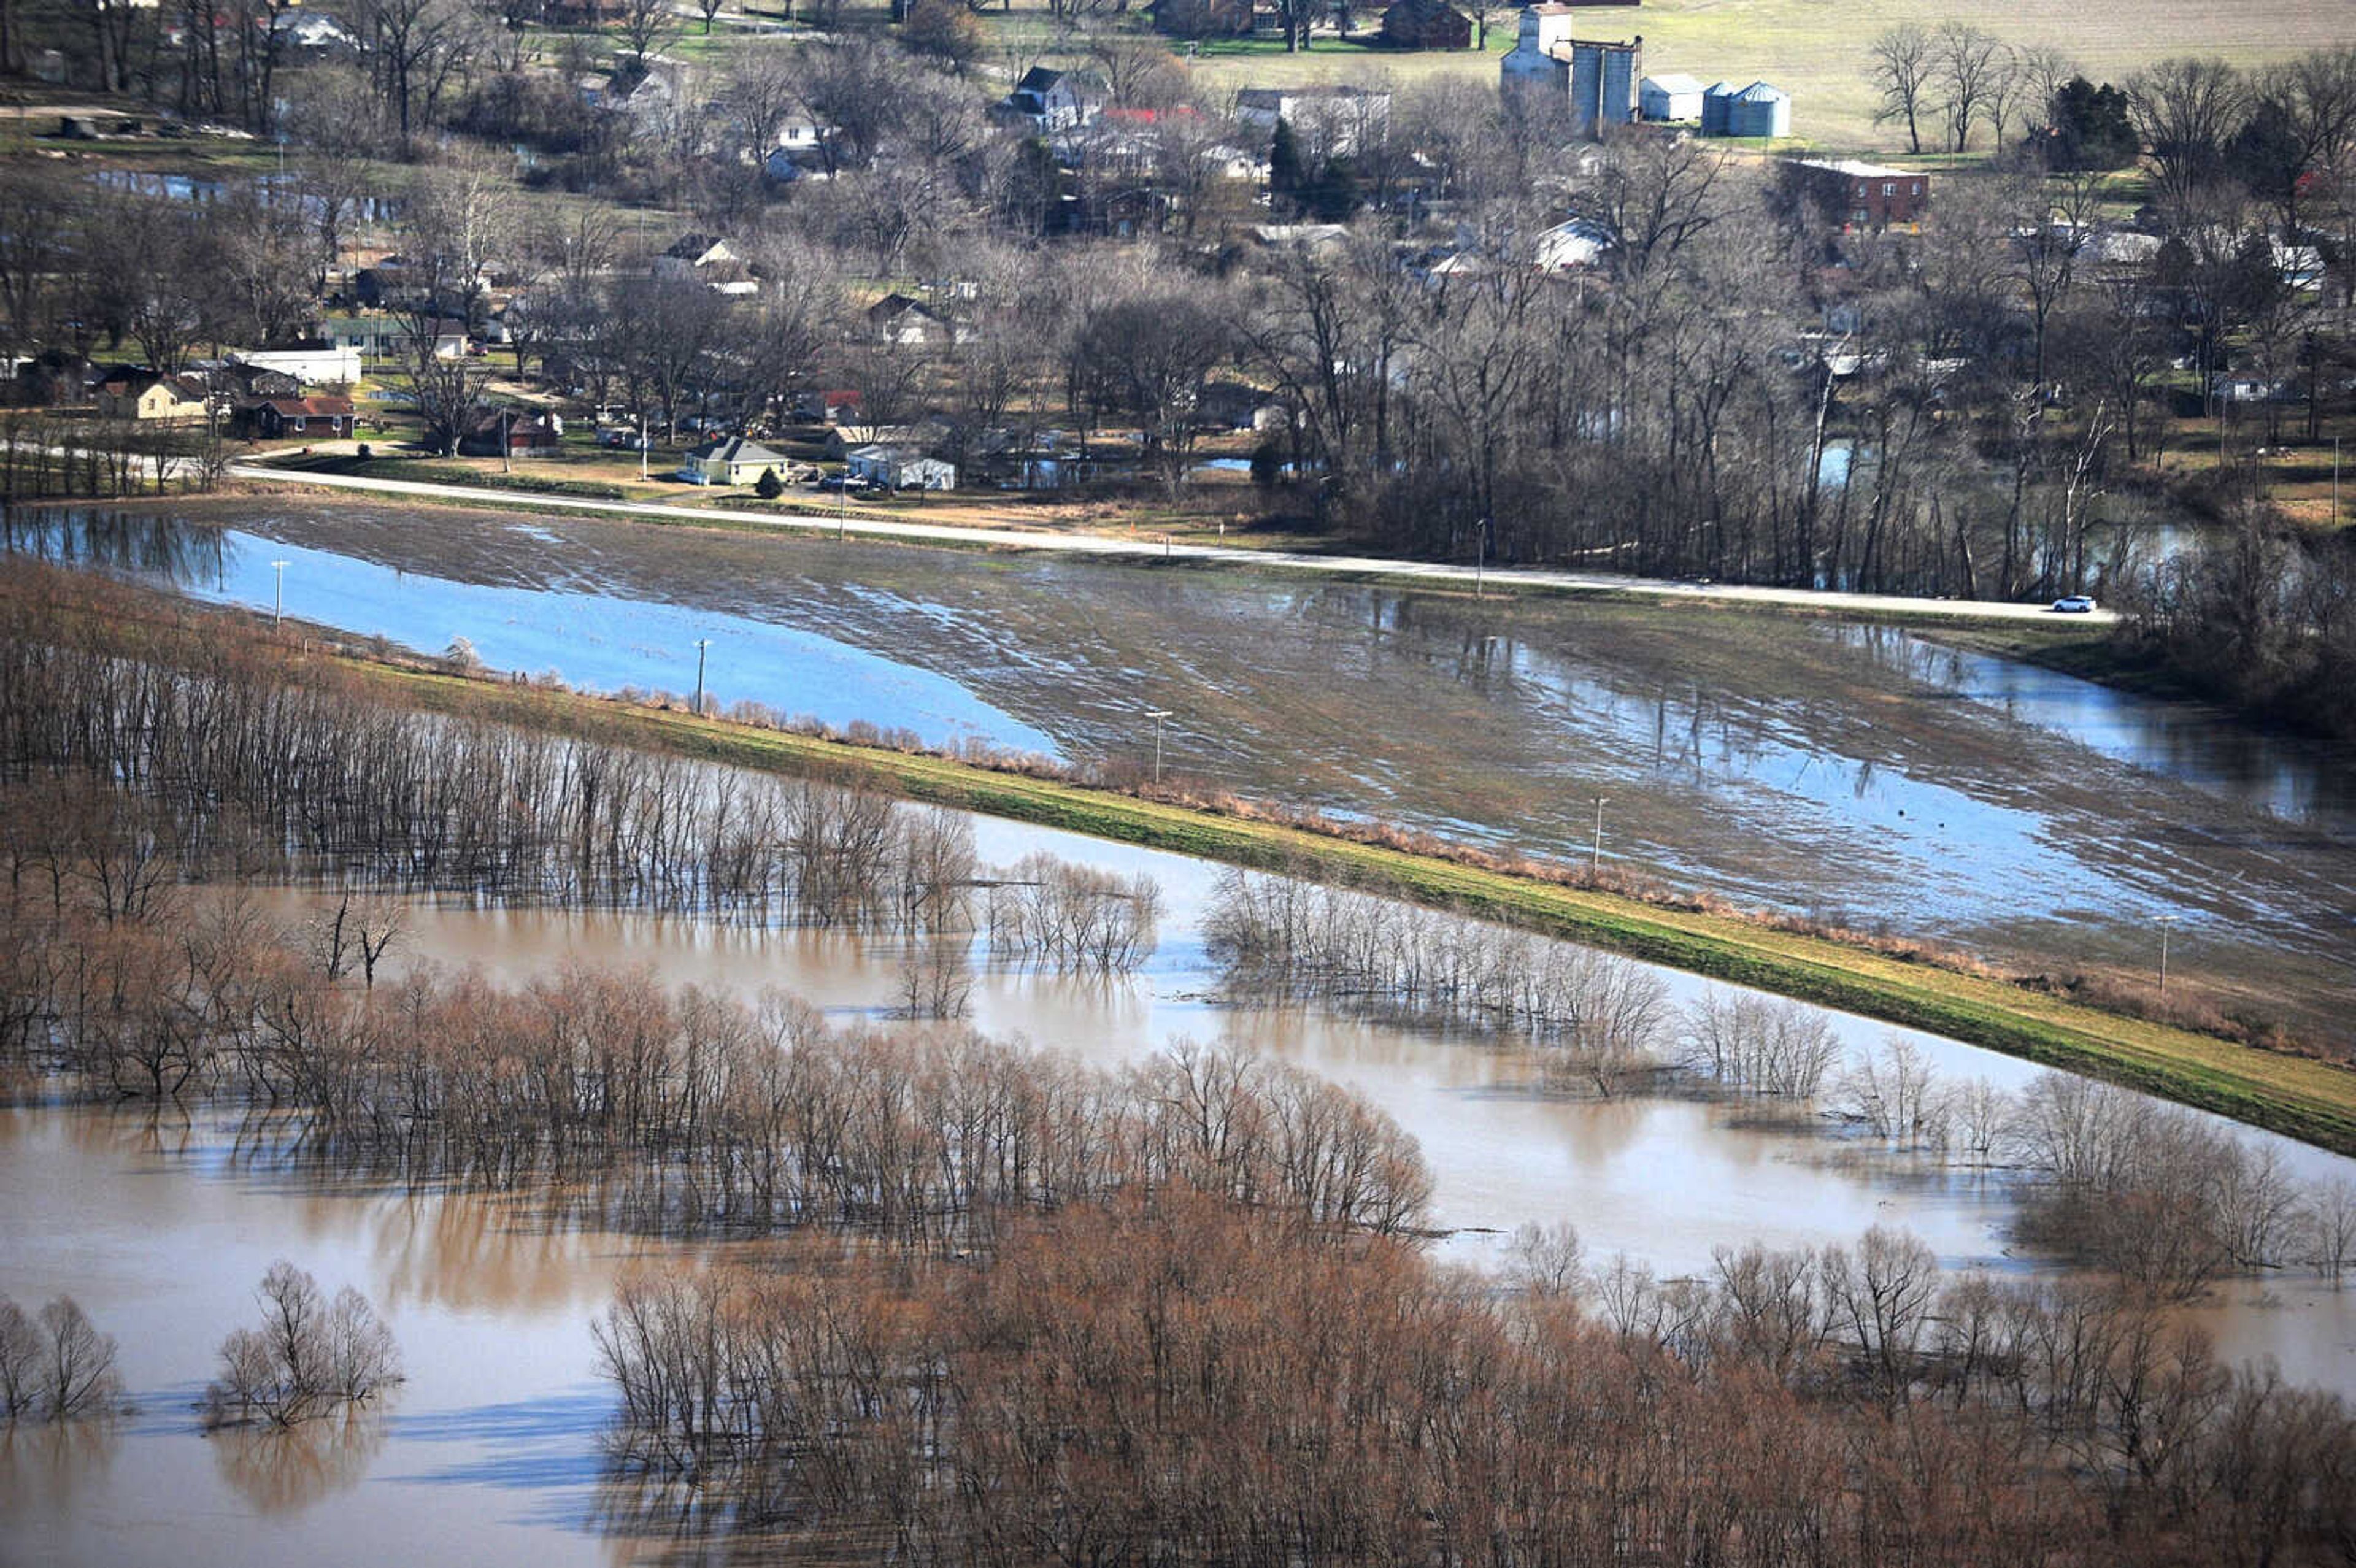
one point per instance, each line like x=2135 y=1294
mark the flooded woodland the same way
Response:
x=1850 y=773
x=158 y=1215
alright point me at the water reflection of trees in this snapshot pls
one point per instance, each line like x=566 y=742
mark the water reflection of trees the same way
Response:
x=43 y=1465
x=148 y=544
x=283 y=1470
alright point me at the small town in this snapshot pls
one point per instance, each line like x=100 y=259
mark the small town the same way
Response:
x=1013 y=782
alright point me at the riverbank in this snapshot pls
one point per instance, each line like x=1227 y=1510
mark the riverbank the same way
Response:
x=2304 y=1098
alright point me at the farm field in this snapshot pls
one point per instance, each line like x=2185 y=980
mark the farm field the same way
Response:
x=1818 y=53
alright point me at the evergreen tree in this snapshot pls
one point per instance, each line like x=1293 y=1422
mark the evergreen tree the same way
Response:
x=2088 y=128
x=1285 y=174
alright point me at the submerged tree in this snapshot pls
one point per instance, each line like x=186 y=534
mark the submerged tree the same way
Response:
x=309 y=1355
x=55 y=1365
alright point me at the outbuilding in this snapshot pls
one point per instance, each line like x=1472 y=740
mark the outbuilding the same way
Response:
x=1759 y=110
x=1669 y=99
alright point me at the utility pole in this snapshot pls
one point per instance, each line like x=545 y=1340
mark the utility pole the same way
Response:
x=2165 y=922
x=1595 y=854
x=642 y=444
x=1480 y=557
x=700 y=644
x=1156 y=715
x=278 y=599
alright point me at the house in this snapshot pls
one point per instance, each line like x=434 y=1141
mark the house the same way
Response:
x=325 y=367
x=255 y=383
x=1758 y=110
x=732 y=460
x=147 y=396
x=896 y=318
x=902 y=468
x=2244 y=388
x=52 y=375
x=277 y=418
x=1577 y=242
x=309 y=30
x=520 y=432
x=1326 y=122
x=1669 y=99
x=1862 y=196
x=925 y=436
x=1552 y=79
x=1426 y=24
x=392 y=335
x=390 y=283
x=830 y=407
x=1054 y=101
x=691 y=255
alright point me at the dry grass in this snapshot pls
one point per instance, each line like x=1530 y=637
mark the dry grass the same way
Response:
x=1817 y=52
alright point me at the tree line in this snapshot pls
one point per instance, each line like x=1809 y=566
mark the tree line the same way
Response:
x=220 y=755
x=1174 y=1378
x=2166 y=1198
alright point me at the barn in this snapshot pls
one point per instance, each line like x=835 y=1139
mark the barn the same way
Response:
x=1426 y=24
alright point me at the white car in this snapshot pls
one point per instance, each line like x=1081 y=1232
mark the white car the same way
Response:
x=2076 y=605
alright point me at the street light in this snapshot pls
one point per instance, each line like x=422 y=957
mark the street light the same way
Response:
x=2165 y=921
x=1156 y=715
x=1595 y=854
x=1481 y=556
x=700 y=644
x=278 y=598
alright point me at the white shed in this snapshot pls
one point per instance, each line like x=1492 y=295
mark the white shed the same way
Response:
x=1665 y=98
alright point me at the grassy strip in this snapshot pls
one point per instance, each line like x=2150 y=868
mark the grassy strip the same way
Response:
x=2303 y=1098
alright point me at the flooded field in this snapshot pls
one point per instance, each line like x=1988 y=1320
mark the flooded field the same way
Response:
x=160 y=1227
x=1849 y=773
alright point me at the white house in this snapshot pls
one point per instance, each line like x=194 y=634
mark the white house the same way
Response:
x=1053 y=102
x=382 y=334
x=1670 y=98
x=1326 y=122
x=902 y=468
x=318 y=367
x=732 y=460
x=1579 y=242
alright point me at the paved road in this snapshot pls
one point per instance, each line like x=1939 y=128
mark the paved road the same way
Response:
x=1360 y=566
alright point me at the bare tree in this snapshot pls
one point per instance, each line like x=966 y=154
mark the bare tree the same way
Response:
x=309 y=1356
x=2183 y=110
x=1905 y=65
x=645 y=25
x=55 y=1366
x=1971 y=68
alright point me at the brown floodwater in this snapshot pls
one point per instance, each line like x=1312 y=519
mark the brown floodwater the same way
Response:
x=159 y=1227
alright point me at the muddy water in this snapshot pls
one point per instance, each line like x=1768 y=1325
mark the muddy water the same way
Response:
x=1792 y=763
x=488 y=1452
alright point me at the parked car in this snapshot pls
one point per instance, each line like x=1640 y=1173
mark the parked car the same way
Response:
x=2076 y=605
x=851 y=481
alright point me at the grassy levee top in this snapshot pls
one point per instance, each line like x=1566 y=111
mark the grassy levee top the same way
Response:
x=2307 y=1099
